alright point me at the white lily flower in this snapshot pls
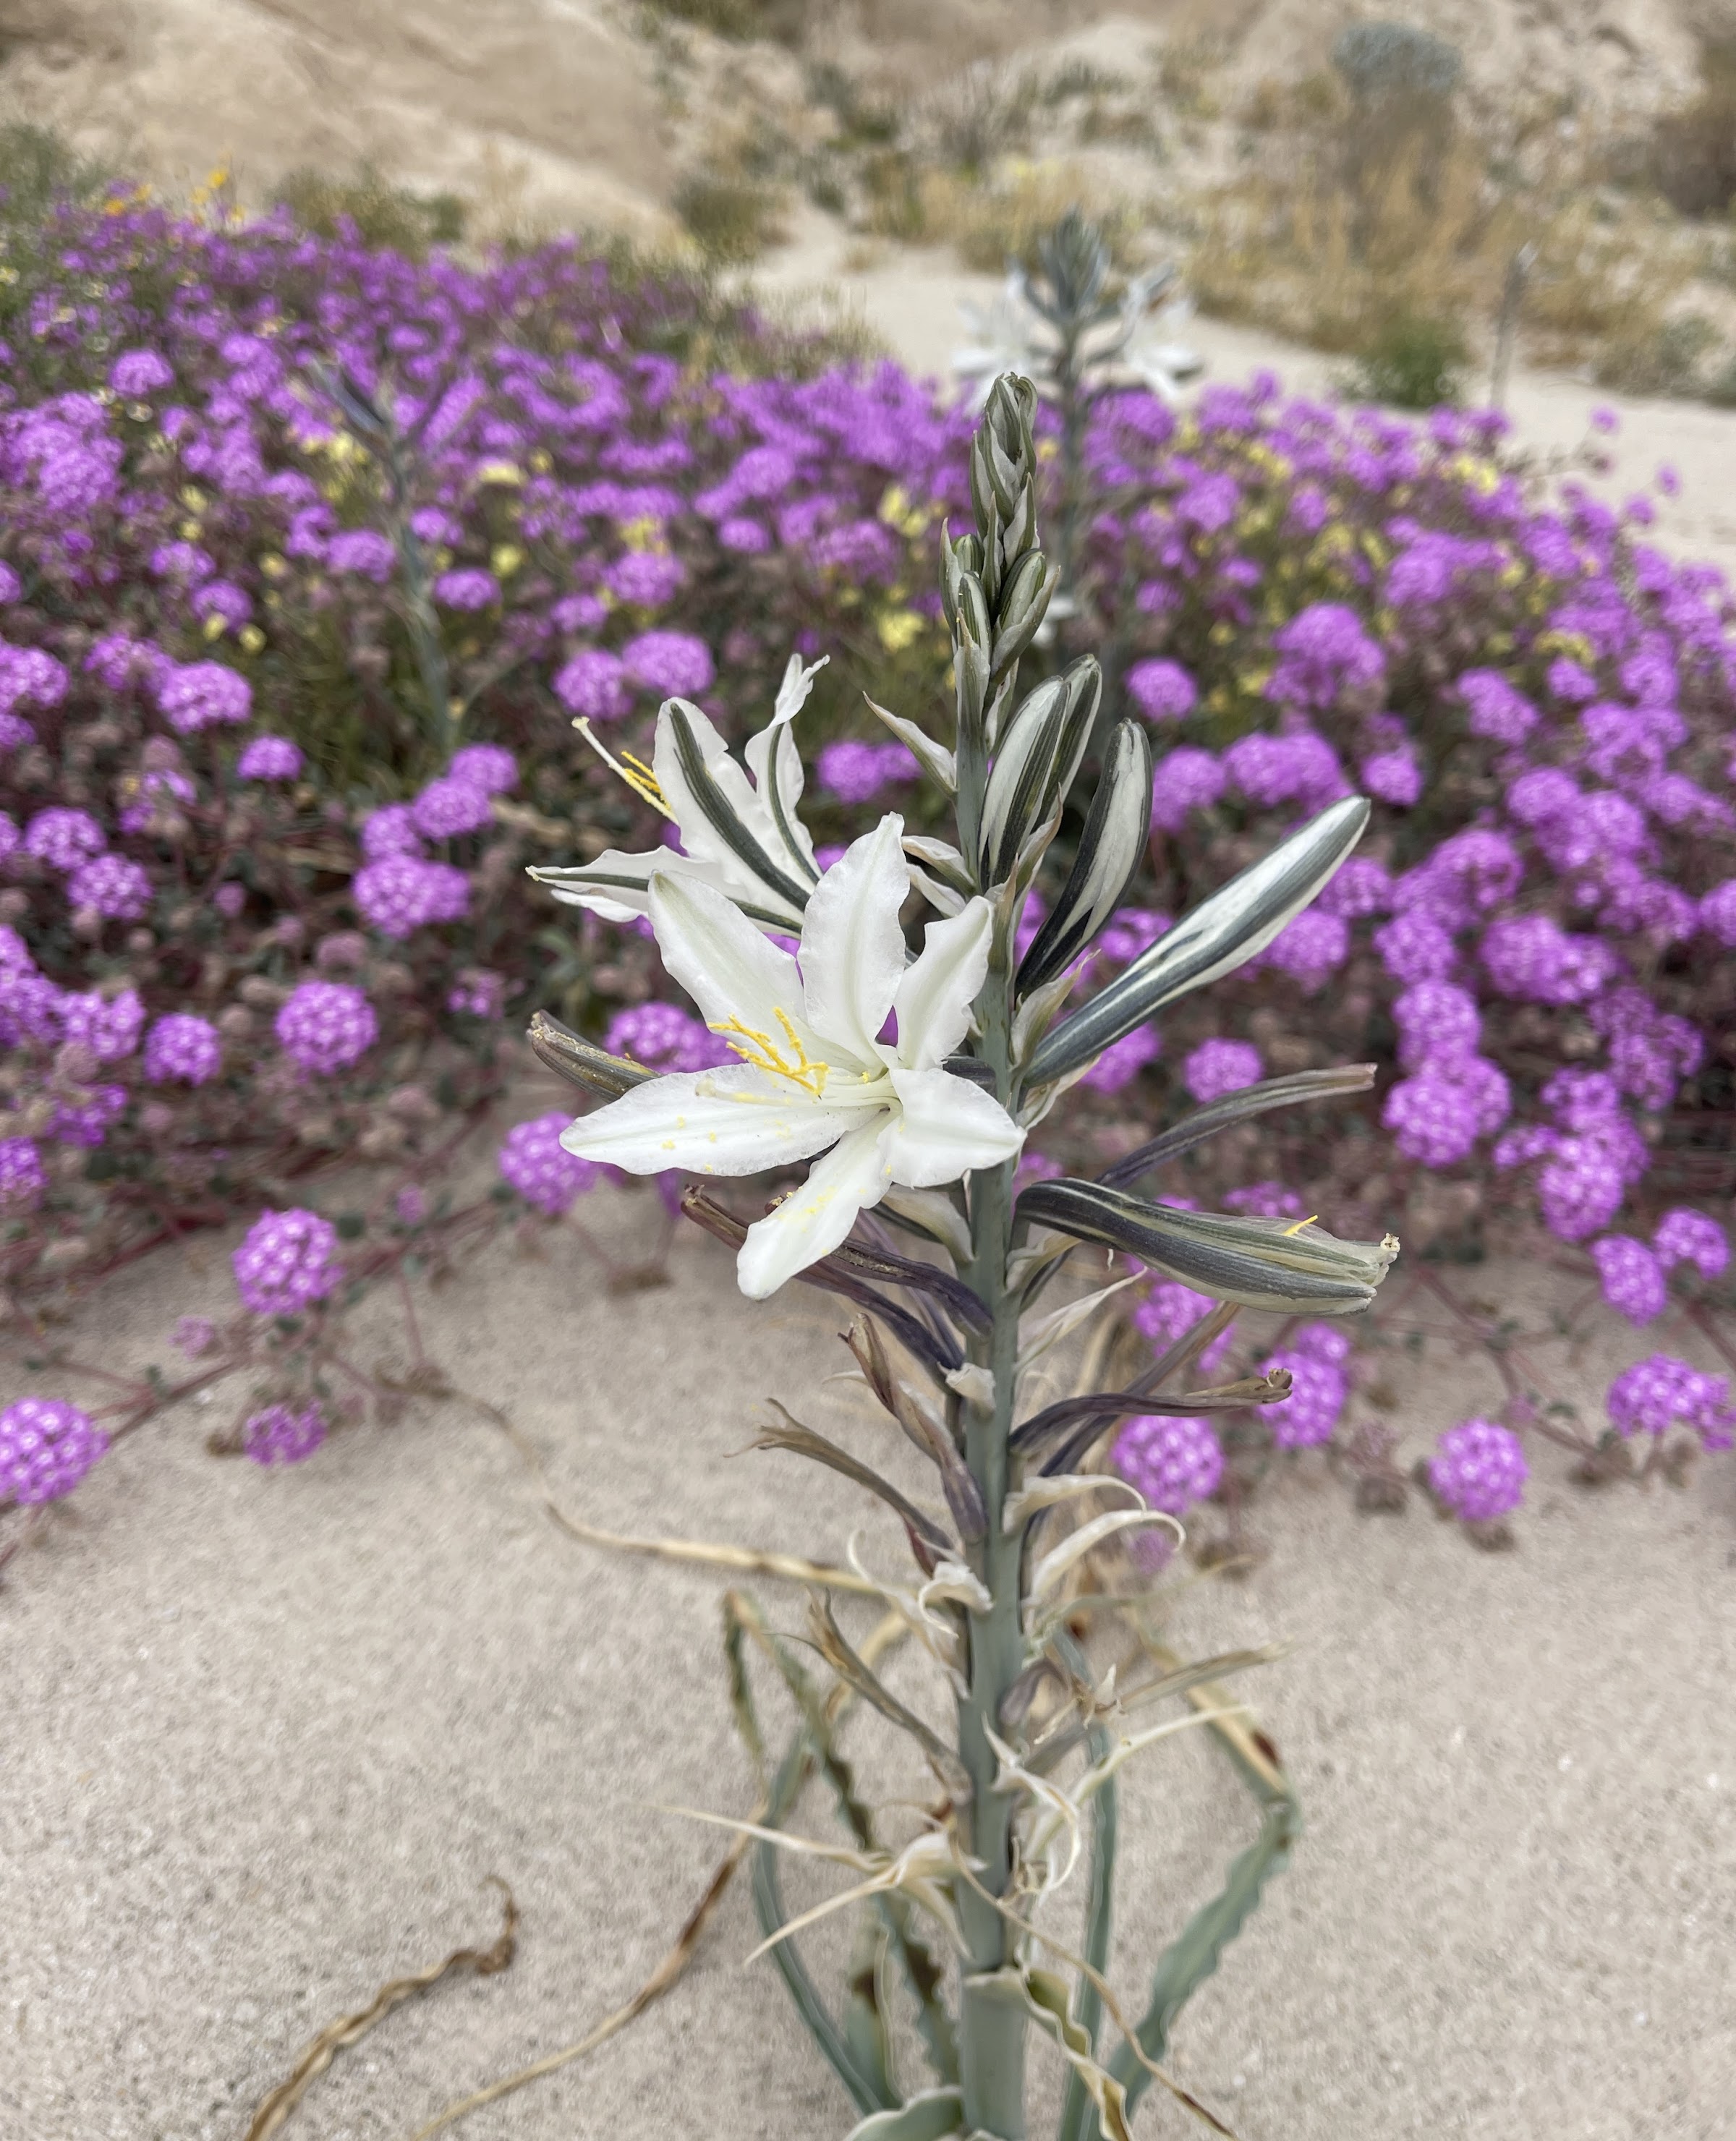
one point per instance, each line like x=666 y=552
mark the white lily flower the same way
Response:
x=1007 y=336
x=1151 y=352
x=813 y=1076
x=740 y=835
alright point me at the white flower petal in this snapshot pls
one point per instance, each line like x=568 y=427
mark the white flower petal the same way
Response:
x=617 y=885
x=698 y=836
x=729 y=970
x=853 y=948
x=737 y=1121
x=946 y=1127
x=934 y=999
x=813 y=1220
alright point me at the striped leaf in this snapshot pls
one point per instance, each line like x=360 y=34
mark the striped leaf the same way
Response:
x=1257 y=1263
x=1110 y=850
x=1215 y=938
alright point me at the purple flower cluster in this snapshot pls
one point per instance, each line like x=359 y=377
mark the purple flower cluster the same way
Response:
x=1661 y=1392
x=47 y=1447
x=182 y=1048
x=534 y=1161
x=269 y=758
x=325 y=1026
x=287 y=1262
x=1174 y=1460
x=1478 y=1470
x=400 y=893
x=284 y=1434
x=1320 y=1386
x=1169 y=1311
x=1219 y=1066
x=855 y=773
x=664 y=1037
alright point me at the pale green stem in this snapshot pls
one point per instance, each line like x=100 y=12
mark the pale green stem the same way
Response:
x=992 y=2031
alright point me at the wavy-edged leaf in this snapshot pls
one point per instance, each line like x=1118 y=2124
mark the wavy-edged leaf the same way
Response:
x=1257 y=1263
x=804 y=1442
x=936 y=2115
x=867 y=2027
x=936 y=1350
x=580 y=1061
x=1193 y=1958
x=1059 y=1323
x=1200 y=1124
x=1100 y=1923
x=1100 y=1407
x=1220 y=934
x=834 y=1646
x=1110 y=850
x=921 y=1973
x=1055 y=1563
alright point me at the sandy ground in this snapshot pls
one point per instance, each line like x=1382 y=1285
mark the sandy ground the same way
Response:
x=265 y=1736
x=910 y=298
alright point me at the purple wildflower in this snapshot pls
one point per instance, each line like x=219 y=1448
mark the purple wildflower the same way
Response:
x=675 y=665
x=450 y=806
x=646 y=578
x=664 y=1037
x=137 y=372
x=23 y=1182
x=280 y=1435
x=399 y=894
x=204 y=695
x=1123 y=1061
x=269 y=758
x=1217 y=1067
x=488 y=766
x=286 y=1261
x=362 y=551
x=593 y=685
x=112 y=887
x=1631 y=1277
x=1173 y=1461
x=47 y=1447
x=325 y=1026
x=390 y=831
x=182 y=1049
x=1169 y=1311
x=1684 y=1236
x=1184 y=781
x=109 y=1027
x=857 y=772
x=1478 y=1470
x=1162 y=691
x=478 y=993
x=1319 y=1391
x=1650 y=1397
x=469 y=587
x=62 y=839
x=535 y=1163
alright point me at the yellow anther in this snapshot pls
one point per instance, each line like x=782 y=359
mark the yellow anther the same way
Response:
x=1300 y=1223
x=634 y=771
x=763 y=1052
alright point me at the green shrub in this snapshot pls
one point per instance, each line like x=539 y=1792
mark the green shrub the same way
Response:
x=732 y=219
x=383 y=214
x=1411 y=362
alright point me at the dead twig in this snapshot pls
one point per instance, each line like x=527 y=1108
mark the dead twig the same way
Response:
x=275 y=2109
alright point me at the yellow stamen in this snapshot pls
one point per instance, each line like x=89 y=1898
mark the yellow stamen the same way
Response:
x=762 y=1051
x=1300 y=1223
x=634 y=771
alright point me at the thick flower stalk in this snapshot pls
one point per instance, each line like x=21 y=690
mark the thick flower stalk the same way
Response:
x=903 y=1075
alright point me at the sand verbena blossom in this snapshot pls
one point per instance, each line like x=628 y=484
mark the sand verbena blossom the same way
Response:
x=815 y=1075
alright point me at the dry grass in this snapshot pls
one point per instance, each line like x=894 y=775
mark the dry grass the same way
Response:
x=1342 y=231
x=1001 y=217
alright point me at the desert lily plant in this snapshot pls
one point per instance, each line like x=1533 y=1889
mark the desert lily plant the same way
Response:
x=905 y=1086
x=1066 y=329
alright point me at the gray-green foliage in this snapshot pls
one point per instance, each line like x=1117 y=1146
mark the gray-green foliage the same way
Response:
x=1386 y=59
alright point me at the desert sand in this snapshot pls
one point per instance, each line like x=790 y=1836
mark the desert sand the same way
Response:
x=266 y=1735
